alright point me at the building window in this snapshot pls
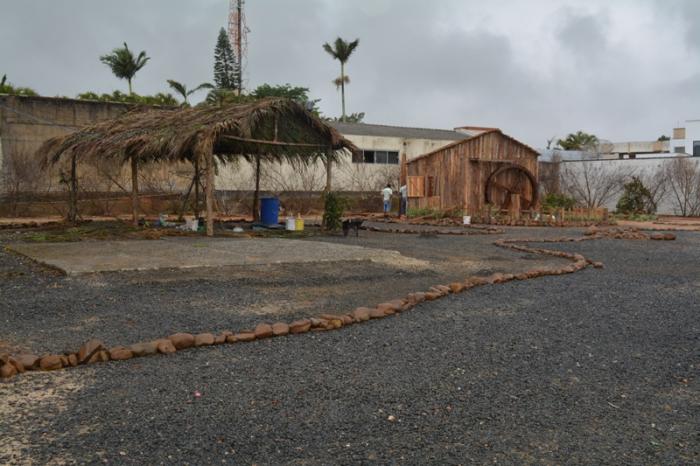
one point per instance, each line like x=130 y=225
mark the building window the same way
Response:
x=377 y=156
x=679 y=150
x=696 y=148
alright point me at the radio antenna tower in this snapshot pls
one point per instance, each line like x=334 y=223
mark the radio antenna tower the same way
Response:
x=238 y=36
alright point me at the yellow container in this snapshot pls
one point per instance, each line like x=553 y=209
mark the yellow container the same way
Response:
x=299 y=224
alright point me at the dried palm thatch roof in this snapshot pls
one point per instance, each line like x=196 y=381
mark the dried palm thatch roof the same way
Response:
x=271 y=128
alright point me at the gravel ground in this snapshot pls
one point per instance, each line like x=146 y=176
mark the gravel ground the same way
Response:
x=598 y=367
x=52 y=313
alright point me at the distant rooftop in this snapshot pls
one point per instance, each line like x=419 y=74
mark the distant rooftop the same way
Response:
x=365 y=129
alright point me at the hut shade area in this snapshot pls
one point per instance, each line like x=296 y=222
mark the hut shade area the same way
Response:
x=489 y=168
x=268 y=129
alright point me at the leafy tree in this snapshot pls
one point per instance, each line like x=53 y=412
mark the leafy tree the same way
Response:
x=636 y=199
x=184 y=92
x=298 y=93
x=7 y=88
x=225 y=65
x=123 y=63
x=663 y=137
x=578 y=141
x=341 y=51
x=352 y=118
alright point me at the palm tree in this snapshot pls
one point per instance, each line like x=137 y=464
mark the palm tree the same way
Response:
x=341 y=51
x=182 y=89
x=123 y=63
x=579 y=141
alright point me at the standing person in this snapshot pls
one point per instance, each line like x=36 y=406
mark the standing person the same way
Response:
x=386 y=194
x=403 y=192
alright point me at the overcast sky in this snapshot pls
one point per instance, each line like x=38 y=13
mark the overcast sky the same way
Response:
x=622 y=69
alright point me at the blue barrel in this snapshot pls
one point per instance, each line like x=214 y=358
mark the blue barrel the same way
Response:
x=269 y=210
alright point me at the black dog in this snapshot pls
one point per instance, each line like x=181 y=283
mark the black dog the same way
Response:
x=352 y=223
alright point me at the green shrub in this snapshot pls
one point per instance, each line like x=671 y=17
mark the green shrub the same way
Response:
x=333 y=208
x=7 y=88
x=636 y=199
x=554 y=201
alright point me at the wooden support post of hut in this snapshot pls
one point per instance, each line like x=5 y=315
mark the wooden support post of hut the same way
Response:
x=487 y=170
x=209 y=195
x=134 y=191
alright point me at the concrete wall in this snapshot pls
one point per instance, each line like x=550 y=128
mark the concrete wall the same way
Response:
x=26 y=122
x=636 y=147
x=645 y=167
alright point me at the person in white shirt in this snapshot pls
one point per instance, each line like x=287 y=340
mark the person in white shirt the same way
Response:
x=386 y=194
x=403 y=192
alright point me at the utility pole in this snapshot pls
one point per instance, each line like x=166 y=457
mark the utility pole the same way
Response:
x=238 y=36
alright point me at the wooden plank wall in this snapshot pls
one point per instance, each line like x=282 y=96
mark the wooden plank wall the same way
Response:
x=461 y=170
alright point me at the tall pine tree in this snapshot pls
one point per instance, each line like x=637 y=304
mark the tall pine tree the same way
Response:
x=225 y=66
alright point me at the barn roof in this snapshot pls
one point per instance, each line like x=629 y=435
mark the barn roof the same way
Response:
x=477 y=133
x=270 y=128
x=365 y=129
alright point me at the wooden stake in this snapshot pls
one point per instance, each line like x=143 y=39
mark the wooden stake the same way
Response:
x=73 y=191
x=256 y=194
x=209 y=154
x=196 y=186
x=184 y=202
x=134 y=192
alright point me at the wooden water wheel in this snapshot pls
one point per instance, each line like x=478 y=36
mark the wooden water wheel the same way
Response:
x=510 y=180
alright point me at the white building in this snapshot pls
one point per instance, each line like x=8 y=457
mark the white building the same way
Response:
x=687 y=140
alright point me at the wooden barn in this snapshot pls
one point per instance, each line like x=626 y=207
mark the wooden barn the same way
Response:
x=487 y=168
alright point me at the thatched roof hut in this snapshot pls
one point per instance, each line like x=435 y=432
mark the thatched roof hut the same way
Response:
x=270 y=129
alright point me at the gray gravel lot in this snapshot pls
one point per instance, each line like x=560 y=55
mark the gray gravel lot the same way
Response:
x=49 y=312
x=598 y=367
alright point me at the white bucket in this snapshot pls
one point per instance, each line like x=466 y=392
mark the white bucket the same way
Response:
x=467 y=219
x=291 y=224
x=192 y=224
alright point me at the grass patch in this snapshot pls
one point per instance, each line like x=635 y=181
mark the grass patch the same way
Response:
x=97 y=231
x=436 y=214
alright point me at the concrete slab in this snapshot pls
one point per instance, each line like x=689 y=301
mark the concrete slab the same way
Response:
x=103 y=256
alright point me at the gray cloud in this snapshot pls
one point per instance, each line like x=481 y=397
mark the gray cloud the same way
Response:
x=625 y=70
x=584 y=37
